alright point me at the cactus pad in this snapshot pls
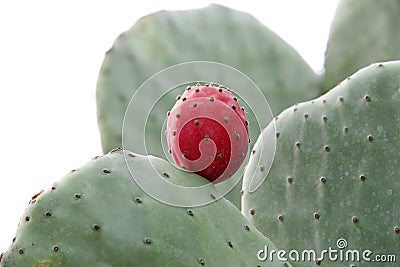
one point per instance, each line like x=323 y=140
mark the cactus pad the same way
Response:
x=98 y=216
x=362 y=32
x=336 y=169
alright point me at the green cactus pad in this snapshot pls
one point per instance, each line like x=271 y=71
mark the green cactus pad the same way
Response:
x=214 y=33
x=98 y=216
x=336 y=171
x=362 y=32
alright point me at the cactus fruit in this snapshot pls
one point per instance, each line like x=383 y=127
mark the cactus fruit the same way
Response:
x=362 y=32
x=336 y=169
x=207 y=132
x=98 y=216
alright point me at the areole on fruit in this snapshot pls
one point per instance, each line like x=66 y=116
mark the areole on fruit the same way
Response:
x=207 y=132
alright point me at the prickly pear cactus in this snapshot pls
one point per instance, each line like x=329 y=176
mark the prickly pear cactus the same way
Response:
x=362 y=32
x=166 y=38
x=98 y=216
x=335 y=176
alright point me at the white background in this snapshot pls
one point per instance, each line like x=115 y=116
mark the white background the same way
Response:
x=50 y=56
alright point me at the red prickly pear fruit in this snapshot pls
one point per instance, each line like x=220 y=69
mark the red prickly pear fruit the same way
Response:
x=207 y=132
